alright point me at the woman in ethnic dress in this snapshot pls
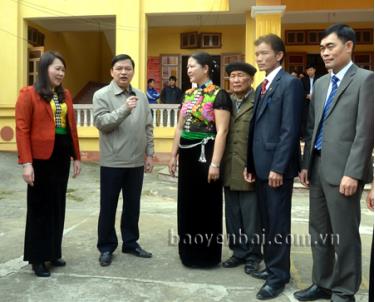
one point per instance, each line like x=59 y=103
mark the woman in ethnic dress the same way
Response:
x=47 y=139
x=198 y=147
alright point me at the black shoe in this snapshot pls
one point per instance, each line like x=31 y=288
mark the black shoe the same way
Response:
x=105 y=258
x=312 y=293
x=268 y=292
x=139 y=252
x=251 y=266
x=58 y=262
x=233 y=262
x=40 y=270
x=260 y=274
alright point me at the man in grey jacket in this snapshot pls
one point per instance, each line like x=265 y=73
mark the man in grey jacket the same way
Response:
x=336 y=165
x=123 y=117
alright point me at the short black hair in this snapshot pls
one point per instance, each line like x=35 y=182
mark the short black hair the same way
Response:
x=42 y=84
x=310 y=65
x=172 y=78
x=122 y=57
x=344 y=32
x=203 y=58
x=274 y=41
x=150 y=81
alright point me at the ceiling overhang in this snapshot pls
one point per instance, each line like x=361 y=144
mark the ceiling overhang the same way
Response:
x=237 y=16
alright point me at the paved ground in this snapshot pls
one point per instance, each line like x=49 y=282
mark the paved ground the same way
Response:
x=161 y=278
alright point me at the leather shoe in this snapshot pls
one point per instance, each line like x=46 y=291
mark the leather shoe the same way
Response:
x=260 y=274
x=232 y=262
x=40 y=270
x=139 y=252
x=312 y=293
x=251 y=266
x=105 y=258
x=268 y=292
x=58 y=262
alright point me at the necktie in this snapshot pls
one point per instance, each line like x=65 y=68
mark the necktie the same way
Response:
x=263 y=87
x=327 y=106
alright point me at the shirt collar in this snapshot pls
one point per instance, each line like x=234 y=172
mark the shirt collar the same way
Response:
x=272 y=75
x=340 y=75
x=234 y=97
x=209 y=82
x=117 y=90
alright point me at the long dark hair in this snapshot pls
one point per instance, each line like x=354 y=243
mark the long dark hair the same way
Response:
x=42 y=84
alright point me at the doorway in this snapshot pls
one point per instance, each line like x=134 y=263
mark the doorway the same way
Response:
x=317 y=61
x=185 y=81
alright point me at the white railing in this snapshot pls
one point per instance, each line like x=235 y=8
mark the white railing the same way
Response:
x=84 y=115
x=163 y=115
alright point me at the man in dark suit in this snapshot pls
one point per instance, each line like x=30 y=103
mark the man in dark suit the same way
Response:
x=273 y=159
x=336 y=165
x=308 y=85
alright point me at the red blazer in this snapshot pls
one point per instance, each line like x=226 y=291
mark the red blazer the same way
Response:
x=35 y=126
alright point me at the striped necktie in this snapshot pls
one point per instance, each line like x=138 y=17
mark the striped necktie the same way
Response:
x=327 y=106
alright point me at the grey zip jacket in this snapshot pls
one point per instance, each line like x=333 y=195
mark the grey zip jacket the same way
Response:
x=125 y=136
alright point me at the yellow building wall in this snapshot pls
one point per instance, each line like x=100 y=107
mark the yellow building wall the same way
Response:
x=91 y=47
x=191 y=6
x=163 y=139
x=9 y=37
x=307 y=5
x=87 y=56
x=105 y=58
x=268 y=2
x=127 y=25
x=132 y=36
x=166 y=40
x=68 y=8
x=9 y=60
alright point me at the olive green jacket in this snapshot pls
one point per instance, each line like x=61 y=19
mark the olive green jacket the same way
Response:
x=235 y=155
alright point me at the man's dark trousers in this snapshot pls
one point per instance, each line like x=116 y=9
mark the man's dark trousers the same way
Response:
x=275 y=210
x=112 y=181
x=274 y=146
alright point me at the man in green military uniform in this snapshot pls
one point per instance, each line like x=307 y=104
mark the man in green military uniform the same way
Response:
x=241 y=210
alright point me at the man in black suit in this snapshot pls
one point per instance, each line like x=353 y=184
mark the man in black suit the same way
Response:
x=273 y=159
x=308 y=86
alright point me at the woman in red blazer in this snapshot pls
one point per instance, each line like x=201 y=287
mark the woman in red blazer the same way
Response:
x=47 y=140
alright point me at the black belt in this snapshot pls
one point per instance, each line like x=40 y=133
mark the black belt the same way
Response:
x=317 y=152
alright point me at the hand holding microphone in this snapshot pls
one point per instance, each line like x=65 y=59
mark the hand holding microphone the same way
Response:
x=131 y=102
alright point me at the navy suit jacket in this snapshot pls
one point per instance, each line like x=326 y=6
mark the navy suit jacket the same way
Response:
x=274 y=130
